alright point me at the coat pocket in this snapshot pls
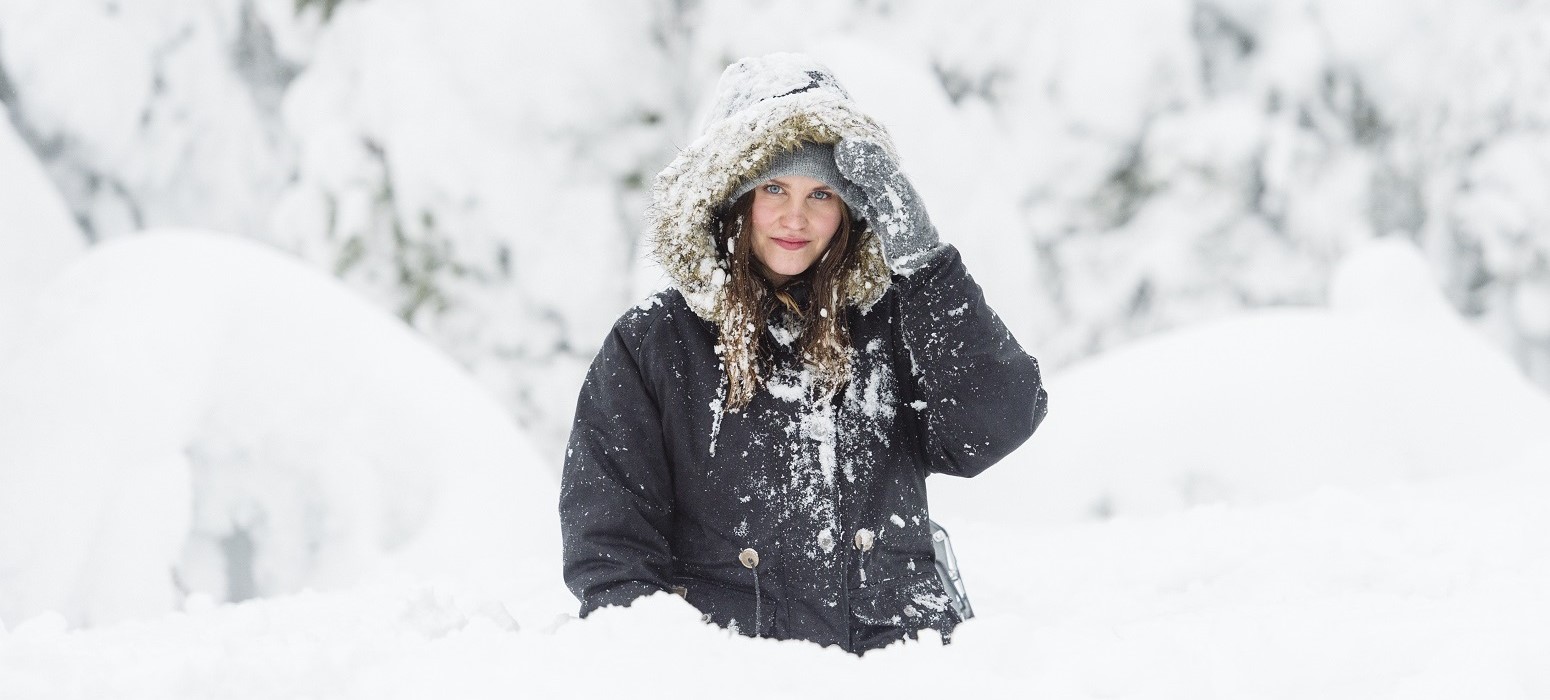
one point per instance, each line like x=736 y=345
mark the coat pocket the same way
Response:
x=733 y=607
x=889 y=610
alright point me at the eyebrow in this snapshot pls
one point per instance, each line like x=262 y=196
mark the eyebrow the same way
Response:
x=822 y=186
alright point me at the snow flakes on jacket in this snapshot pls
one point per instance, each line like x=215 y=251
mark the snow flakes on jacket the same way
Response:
x=764 y=106
x=803 y=515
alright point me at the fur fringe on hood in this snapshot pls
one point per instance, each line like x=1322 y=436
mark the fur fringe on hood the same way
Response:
x=764 y=106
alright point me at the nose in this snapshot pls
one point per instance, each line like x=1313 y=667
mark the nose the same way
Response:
x=793 y=215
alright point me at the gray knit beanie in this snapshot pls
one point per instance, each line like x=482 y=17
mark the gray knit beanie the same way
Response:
x=812 y=160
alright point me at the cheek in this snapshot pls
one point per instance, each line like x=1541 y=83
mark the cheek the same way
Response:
x=830 y=224
x=762 y=218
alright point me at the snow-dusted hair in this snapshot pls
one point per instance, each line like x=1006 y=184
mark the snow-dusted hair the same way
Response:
x=749 y=298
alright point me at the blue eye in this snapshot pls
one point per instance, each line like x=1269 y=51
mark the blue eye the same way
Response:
x=773 y=188
x=822 y=194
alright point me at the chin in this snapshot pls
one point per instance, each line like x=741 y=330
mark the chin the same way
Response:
x=790 y=268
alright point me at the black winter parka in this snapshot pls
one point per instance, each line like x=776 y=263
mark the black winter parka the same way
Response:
x=796 y=517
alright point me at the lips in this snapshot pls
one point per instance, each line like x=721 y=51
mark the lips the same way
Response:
x=790 y=243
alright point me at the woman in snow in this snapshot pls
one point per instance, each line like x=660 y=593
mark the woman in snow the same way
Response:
x=757 y=438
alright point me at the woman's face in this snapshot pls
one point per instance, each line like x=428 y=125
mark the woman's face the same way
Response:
x=794 y=218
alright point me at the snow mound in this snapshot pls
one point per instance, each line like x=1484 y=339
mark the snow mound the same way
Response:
x=1387 y=386
x=195 y=414
x=1388 y=278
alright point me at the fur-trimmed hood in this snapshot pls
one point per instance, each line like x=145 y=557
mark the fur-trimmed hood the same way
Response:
x=763 y=106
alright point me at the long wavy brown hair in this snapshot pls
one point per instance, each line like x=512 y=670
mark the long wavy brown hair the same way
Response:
x=749 y=299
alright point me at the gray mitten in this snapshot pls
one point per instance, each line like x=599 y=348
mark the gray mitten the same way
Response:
x=892 y=206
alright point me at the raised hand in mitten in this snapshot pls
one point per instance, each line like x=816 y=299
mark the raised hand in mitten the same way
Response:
x=892 y=207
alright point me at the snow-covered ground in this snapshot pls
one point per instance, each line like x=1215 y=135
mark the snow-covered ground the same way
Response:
x=1431 y=590
x=1352 y=540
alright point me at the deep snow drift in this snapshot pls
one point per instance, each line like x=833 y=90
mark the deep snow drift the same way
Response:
x=1388 y=385
x=1387 y=549
x=195 y=414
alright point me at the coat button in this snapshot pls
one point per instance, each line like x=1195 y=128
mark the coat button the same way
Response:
x=749 y=558
x=864 y=539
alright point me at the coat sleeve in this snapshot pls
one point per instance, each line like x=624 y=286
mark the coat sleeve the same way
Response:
x=977 y=394
x=616 y=493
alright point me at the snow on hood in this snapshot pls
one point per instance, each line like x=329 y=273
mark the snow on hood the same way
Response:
x=764 y=105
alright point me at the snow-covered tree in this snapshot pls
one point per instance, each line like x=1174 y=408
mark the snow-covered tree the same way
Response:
x=1109 y=169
